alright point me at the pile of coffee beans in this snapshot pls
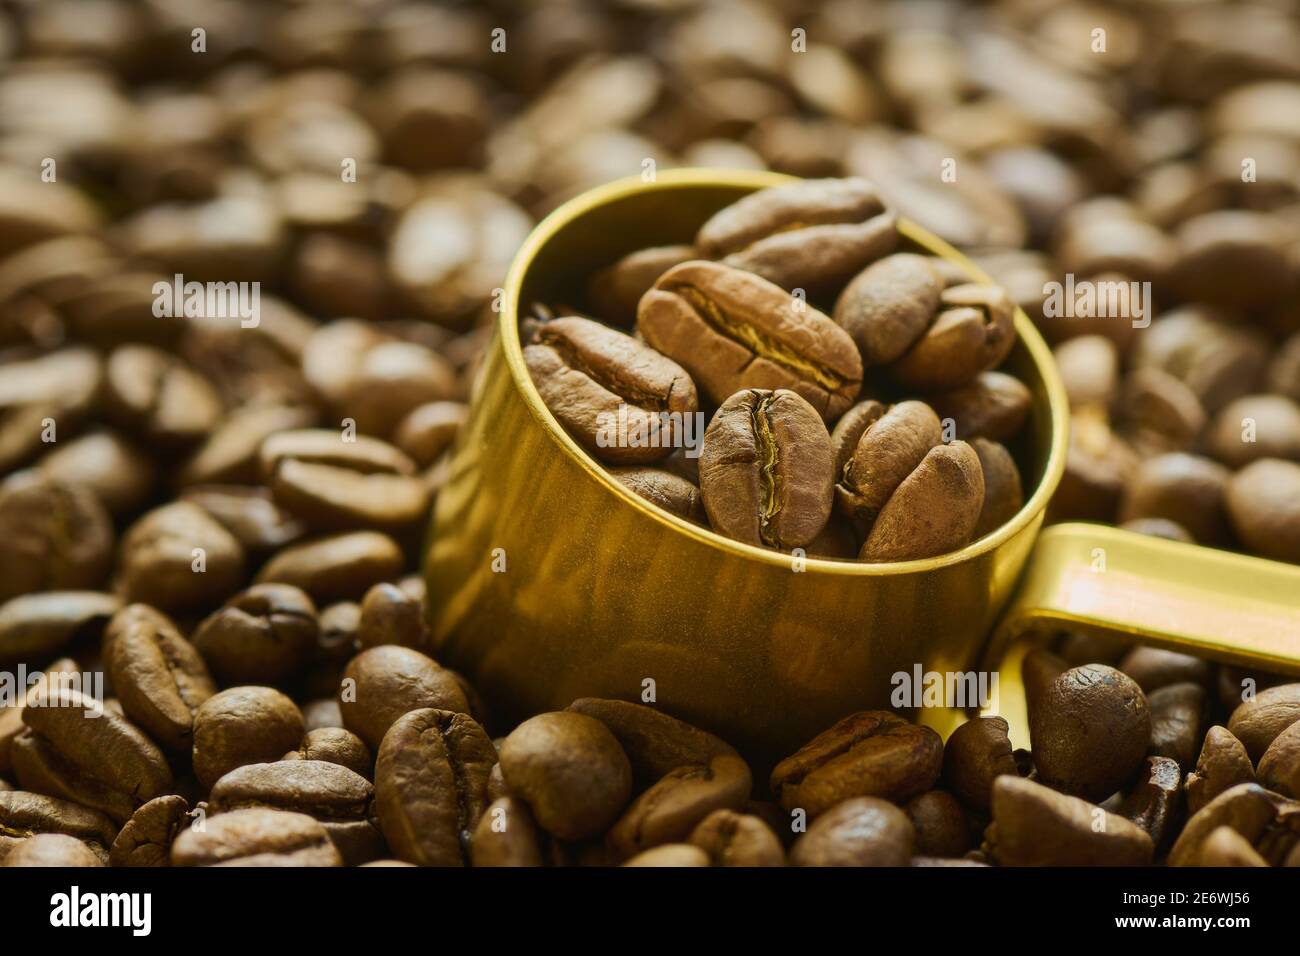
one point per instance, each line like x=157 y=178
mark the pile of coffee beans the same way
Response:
x=818 y=353
x=209 y=523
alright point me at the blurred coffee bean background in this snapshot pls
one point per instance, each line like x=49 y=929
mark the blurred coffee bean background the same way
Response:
x=375 y=165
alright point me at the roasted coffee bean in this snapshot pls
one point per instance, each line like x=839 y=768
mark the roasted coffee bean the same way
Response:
x=78 y=749
x=889 y=305
x=1099 y=466
x=340 y=489
x=243 y=725
x=935 y=510
x=570 y=770
x=431 y=785
x=230 y=454
x=1003 y=493
x=615 y=290
x=11 y=716
x=1279 y=768
x=1035 y=826
x=863 y=831
x=256 y=837
x=1160 y=413
x=1039 y=671
x=672 y=807
x=1226 y=847
x=940 y=823
x=391 y=616
x=1154 y=667
x=1259 y=720
x=159 y=677
x=766 y=469
x=24 y=814
x=261 y=636
x=848 y=431
x=1177 y=718
x=1095 y=758
x=886 y=453
x=156 y=397
x=1222 y=765
x=146 y=839
x=52 y=849
x=506 y=835
x=973 y=332
x=53 y=537
x=731 y=330
x=595 y=378
x=1254 y=427
x=737 y=839
x=248 y=513
x=429 y=430
x=992 y=405
x=1184 y=488
x=655 y=743
x=1089 y=367
x=976 y=753
x=383 y=683
x=334 y=745
x=1157 y=803
x=177 y=558
x=811 y=235
x=671 y=855
x=339 y=567
x=868 y=754
x=667 y=490
x=1267 y=821
x=120 y=474
x=35 y=626
x=1262 y=506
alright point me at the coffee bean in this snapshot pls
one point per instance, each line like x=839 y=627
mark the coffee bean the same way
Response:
x=737 y=839
x=11 y=716
x=940 y=824
x=506 y=835
x=615 y=290
x=571 y=772
x=159 y=677
x=1262 y=506
x=431 y=785
x=1259 y=720
x=1266 y=820
x=848 y=431
x=102 y=761
x=862 y=831
x=243 y=725
x=867 y=754
x=120 y=474
x=1177 y=721
x=1003 y=494
x=935 y=510
x=972 y=333
x=655 y=743
x=1222 y=765
x=1279 y=768
x=766 y=469
x=1157 y=803
x=146 y=839
x=1254 y=427
x=1096 y=758
x=429 y=430
x=976 y=754
x=334 y=745
x=24 y=814
x=337 y=567
x=1035 y=826
x=889 y=305
x=1153 y=668
x=158 y=398
x=248 y=513
x=887 y=452
x=1226 y=847
x=388 y=615
x=53 y=537
x=663 y=488
x=177 y=558
x=731 y=330
x=1089 y=367
x=256 y=837
x=671 y=855
x=261 y=636
x=383 y=683
x=672 y=807
x=812 y=235
x=52 y=849
x=1099 y=467
x=35 y=626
